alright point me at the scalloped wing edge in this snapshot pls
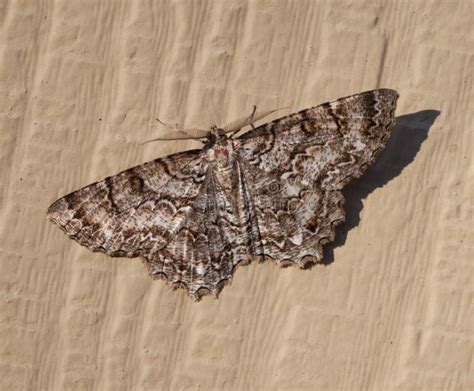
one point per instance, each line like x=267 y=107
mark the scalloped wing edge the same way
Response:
x=303 y=262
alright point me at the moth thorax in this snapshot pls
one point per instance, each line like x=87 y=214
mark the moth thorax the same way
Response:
x=221 y=153
x=223 y=161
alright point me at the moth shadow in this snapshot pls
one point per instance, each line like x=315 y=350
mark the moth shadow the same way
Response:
x=409 y=133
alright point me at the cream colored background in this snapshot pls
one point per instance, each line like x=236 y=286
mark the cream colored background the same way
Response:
x=81 y=83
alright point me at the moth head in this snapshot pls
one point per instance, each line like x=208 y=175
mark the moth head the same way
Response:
x=216 y=134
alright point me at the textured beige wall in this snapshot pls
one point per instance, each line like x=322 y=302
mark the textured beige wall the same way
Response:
x=81 y=83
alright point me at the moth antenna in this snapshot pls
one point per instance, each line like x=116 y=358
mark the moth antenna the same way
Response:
x=179 y=134
x=235 y=126
x=185 y=134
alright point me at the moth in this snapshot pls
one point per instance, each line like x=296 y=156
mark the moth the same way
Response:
x=273 y=192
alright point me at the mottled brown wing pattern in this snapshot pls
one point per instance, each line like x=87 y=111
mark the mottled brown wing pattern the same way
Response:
x=173 y=212
x=299 y=164
x=211 y=242
x=136 y=212
x=274 y=192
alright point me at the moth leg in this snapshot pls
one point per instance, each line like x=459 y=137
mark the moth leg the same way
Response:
x=249 y=121
x=252 y=116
